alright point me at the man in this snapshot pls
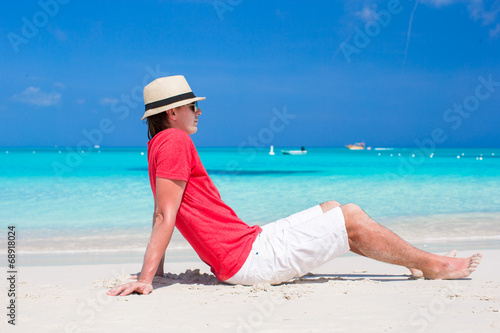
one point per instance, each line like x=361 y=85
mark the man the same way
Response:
x=186 y=197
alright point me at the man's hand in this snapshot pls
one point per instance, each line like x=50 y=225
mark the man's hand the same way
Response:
x=128 y=288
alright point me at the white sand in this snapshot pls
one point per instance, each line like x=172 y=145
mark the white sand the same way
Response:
x=349 y=294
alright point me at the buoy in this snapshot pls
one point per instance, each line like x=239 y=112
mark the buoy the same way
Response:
x=271 y=152
x=142 y=153
x=458 y=156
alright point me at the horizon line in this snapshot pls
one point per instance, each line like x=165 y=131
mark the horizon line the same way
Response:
x=246 y=147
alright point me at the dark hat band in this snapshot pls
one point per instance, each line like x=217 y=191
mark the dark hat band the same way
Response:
x=169 y=100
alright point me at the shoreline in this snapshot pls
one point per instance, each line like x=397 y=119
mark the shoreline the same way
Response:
x=98 y=257
x=431 y=233
x=108 y=246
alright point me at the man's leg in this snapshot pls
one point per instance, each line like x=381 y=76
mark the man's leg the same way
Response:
x=326 y=206
x=370 y=239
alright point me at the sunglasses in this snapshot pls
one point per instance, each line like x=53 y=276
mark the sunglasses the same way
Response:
x=194 y=107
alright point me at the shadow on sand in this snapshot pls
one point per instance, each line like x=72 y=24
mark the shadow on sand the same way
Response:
x=322 y=278
x=194 y=277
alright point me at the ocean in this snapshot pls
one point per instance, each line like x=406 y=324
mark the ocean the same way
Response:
x=95 y=206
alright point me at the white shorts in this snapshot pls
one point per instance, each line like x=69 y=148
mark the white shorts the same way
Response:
x=293 y=246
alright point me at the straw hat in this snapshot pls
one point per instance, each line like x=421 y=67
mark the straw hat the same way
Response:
x=166 y=93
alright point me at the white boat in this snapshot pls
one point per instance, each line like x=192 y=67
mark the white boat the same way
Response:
x=302 y=151
x=357 y=146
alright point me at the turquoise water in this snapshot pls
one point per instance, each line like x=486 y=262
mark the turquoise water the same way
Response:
x=60 y=192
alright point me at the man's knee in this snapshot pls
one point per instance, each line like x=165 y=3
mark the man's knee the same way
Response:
x=350 y=210
x=331 y=204
x=352 y=219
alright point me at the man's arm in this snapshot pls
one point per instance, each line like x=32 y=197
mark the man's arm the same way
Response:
x=168 y=200
x=159 y=271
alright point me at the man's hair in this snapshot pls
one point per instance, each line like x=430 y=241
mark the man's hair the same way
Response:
x=157 y=123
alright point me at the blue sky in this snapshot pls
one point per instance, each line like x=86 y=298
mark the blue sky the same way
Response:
x=287 y=73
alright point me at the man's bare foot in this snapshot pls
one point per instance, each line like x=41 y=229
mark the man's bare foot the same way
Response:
x=417 y=273
x=453 y=268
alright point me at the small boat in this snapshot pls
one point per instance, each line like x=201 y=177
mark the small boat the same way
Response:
x=271 y=152
x=302 y=151
x=357 y=146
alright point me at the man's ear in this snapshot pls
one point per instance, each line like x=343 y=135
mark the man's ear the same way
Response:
x=171 y=114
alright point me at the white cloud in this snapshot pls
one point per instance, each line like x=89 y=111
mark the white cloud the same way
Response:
x=494 y=33
x=57 y=33
x=479 y=12
x=35 y=96
x=484 y=12
x=59 y=85
x=108 y=100
x=280 y=14
x=439 y=3
x=368 y=13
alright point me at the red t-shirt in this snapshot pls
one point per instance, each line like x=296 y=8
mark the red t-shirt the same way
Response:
x=213 y=229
